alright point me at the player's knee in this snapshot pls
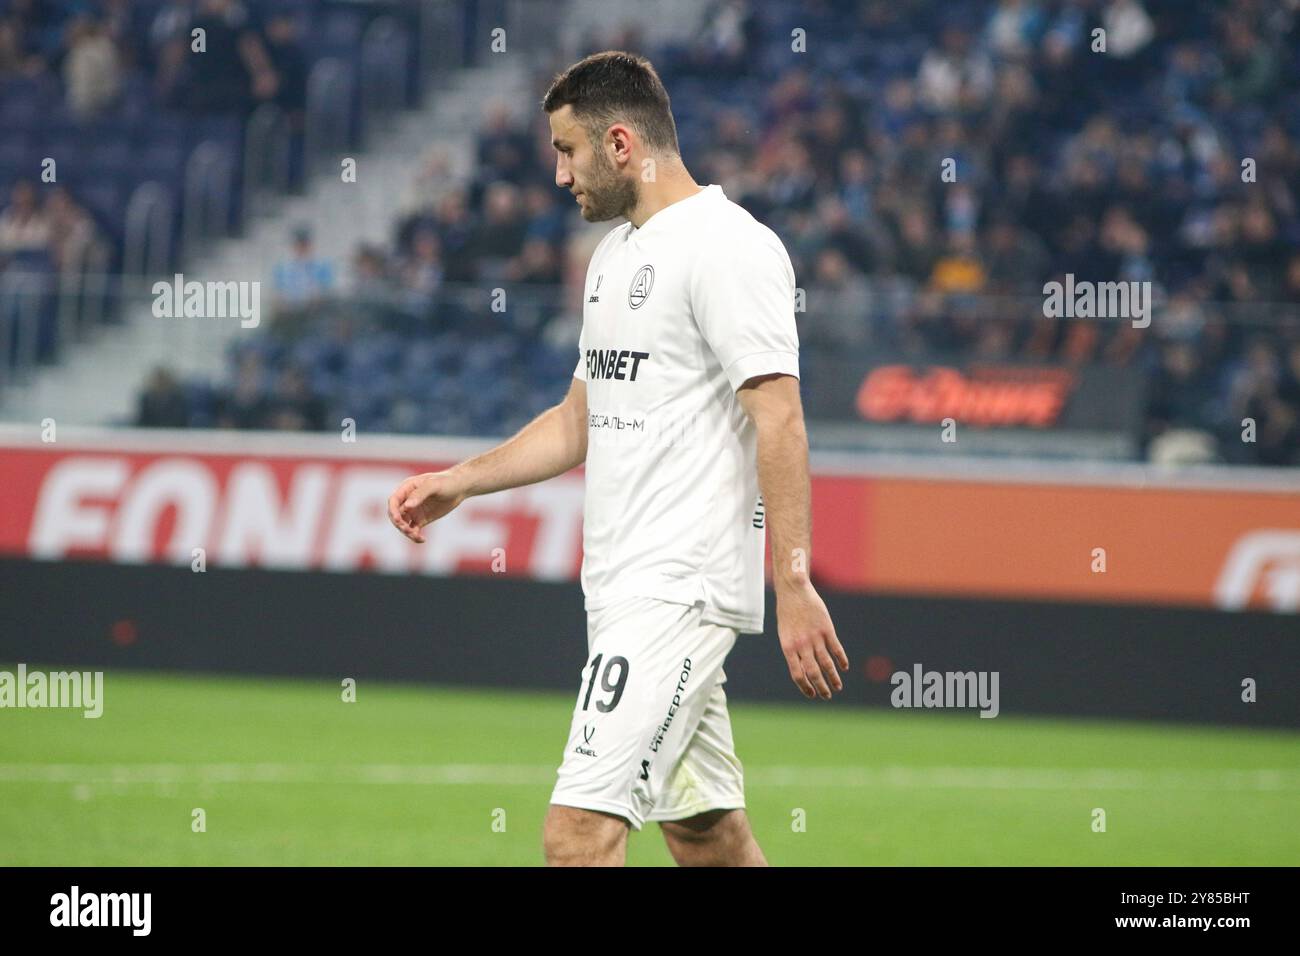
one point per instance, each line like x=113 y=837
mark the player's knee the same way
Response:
x=703 y=827
x=709 y=838
x=576 y=837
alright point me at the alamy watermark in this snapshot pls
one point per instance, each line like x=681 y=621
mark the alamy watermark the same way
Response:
x=76 y=908
x=179 y=299
x=83 y=690
x=1098 y=300
x=946 y=689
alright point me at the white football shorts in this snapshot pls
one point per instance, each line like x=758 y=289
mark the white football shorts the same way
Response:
x=651 y=737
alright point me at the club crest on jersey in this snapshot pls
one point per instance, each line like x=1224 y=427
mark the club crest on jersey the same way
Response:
x=642 y=283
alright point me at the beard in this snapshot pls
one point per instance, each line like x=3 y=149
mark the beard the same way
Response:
x=609 y=195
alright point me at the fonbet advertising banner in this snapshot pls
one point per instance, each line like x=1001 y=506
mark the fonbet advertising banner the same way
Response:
x=1223 y=539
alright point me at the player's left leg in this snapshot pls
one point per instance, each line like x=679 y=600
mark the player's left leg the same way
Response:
x=713 y=838
x=702 y=811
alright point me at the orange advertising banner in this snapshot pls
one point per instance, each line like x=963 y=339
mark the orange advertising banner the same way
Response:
x=1227 y=548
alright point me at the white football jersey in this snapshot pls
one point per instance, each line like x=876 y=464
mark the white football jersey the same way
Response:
x=678 y=314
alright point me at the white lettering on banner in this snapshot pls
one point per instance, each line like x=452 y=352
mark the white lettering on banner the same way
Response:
x=258 y=528
x=359 y=524
x=1268 y=557
x=182 y=483
x=292 y=514
x=470 y=532
x=559 y=533
x=64 y=520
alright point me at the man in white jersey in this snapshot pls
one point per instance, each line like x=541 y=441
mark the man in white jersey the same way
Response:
x=684 y=405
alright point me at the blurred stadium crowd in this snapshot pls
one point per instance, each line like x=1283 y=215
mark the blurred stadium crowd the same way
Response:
x=108 y=90
x=111 y=56
x=1115 y=167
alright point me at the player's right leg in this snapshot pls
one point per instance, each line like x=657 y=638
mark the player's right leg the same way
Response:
x=572 y=836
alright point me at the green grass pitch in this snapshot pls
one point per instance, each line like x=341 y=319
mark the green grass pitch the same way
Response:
x=287 y=773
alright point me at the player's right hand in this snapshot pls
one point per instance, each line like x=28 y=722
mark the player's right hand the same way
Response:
x=422 y=499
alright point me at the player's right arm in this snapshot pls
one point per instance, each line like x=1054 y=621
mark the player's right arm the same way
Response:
x=551 y=444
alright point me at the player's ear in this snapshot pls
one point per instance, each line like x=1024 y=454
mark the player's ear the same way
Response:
x=619 y=137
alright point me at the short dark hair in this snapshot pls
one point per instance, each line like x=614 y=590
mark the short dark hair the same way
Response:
x=612 y=87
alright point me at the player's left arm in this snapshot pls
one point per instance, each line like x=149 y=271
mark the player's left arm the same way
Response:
x=808 y=640
x=743 y=297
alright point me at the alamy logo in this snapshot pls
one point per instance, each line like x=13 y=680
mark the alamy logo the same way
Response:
x=1098 y=300
x=102 y=909
x=82 y=690
x=179 y=299
x=642 y=283
x=946 y=689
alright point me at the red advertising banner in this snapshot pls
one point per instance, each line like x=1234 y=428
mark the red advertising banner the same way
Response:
x=298 y=503
x=273 y=511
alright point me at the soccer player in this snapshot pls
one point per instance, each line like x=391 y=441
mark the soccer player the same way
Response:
x=685 y=408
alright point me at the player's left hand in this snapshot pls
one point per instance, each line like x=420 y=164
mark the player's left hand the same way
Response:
x=808 y=641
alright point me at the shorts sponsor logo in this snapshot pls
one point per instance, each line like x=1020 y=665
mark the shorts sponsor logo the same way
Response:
x=662 y=729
